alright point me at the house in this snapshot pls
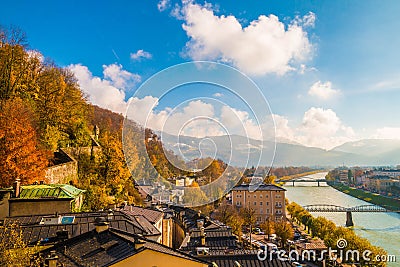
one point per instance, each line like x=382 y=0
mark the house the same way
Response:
x=267 y=200
x=108 y=247
x=215 y=243
x=39 y=199
x=381 y=183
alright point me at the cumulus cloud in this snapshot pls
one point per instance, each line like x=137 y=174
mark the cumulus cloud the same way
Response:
x=141 y=54
x=120 y=78
x=107 y=92
x=323 y=128
x=322 y=90
x=162 y=5
x=266 y=45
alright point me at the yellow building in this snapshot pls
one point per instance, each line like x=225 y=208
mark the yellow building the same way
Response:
x=268 y=201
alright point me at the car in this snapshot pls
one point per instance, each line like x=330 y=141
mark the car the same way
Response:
x=296 y=264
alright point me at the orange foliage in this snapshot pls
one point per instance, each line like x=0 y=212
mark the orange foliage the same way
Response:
x=20 y=156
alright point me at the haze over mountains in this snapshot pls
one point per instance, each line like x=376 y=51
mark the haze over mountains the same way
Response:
x=370 y=152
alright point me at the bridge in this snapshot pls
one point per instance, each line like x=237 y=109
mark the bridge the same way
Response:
x=303 y=180
x=349 y=210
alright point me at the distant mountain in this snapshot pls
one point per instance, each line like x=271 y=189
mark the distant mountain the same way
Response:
x=364 y=152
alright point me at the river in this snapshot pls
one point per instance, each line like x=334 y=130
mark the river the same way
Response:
x=381 y=229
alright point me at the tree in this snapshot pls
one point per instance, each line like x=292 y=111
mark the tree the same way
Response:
x=270 y=179
x=350 y=176
x=14 y=250
x=268 y=227
x=225 y=213
x=249 y=218
x=284 y=231
x=20 y=155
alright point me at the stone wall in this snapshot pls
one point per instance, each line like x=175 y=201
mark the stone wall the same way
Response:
x=63 y=173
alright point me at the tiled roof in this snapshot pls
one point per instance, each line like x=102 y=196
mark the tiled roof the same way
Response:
x=58 y=191
x=248 y=260
x=261 y=187
x=34 y=232
x=105 y=249
x=151 y=215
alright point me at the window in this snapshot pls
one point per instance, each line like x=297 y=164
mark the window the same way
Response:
x=267 y=203
x=255 y=203
x=255 y=196
x=260 y=196
x=261 y=210
x=278 y=196
x=260 y=203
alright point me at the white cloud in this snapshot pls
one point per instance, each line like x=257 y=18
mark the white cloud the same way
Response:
x=387 y=133
x=323 y=128
x=141 y=54
x=265 y=46
x=322 y=90
x=107 y=92
x=217 y=95
x=162 y=5
x=120 y=78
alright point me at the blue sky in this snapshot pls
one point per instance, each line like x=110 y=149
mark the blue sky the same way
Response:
x=334 y=78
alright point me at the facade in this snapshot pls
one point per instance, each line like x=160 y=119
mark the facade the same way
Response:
x=344 y=176
x=381 y=183
x=268 y=201
x=390 y=173
x=39 y=199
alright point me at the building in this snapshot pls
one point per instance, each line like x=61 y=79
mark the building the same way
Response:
x=387 y=172
x=381 y=184
x=344 y=176
x=268 y=201
x=38 y=199
x=108 y=247
x=215 y=243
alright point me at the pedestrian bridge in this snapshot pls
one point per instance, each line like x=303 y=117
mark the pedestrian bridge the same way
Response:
x=349 y=210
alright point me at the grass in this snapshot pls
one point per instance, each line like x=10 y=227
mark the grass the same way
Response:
x=373 y=198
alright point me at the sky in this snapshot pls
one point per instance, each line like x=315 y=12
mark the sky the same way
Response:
x=329 y=70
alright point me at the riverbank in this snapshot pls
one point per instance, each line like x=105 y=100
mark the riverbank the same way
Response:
x=387 y=202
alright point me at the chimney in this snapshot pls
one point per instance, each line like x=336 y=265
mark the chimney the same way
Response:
x=101 y=224
x=17 y=187
x=52 y=259
x=202 y=236
x=139 y=244
x=41 y=182
x=200 y=223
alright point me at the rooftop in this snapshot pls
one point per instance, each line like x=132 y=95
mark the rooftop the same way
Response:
x=261 y=187
x=57 y=191
x=105 y=248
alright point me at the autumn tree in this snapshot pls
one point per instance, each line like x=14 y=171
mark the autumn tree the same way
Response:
x=14 y=250
x=249 y=218
x=284 y=231
x=268 y=227
x=20 y=155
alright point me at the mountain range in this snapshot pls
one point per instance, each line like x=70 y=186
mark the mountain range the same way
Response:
x=238 y=150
